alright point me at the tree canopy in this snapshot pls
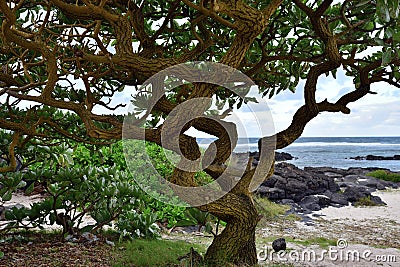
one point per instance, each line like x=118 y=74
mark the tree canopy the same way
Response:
x=62 y=60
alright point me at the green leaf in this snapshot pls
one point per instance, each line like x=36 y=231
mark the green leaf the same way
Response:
x=1 y=254
x=382 y=10
x=21 y=184
x=369 y=26
x=386 y=57
x=9 y=215
x=30 y=188
x=7 y=196
x=395 y=8
x=87 y=228
x=208 y=228
x=396 y=37
x=362 y=3
x=52 y=218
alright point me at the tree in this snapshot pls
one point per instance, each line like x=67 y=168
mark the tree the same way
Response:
x=65 y=58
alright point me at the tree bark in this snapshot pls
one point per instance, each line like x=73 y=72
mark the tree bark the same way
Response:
x=236 y=243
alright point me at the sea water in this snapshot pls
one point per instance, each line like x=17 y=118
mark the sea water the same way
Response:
x=332 y=151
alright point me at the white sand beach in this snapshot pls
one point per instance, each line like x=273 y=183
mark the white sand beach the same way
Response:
x=372 y=232
x=389 y=212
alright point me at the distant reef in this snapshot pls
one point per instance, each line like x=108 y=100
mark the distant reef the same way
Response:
x=279 y=156
x=373 y=157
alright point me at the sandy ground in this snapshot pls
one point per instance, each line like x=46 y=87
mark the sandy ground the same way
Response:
x=21 y=199
x=389 y=212
x=365 y=236
x=353 y=255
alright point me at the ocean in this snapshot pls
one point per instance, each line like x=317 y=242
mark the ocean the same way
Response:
x=333 y=151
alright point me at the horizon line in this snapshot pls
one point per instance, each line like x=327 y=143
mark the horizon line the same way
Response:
x=355 y=136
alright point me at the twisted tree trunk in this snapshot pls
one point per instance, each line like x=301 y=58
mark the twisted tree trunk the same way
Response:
x=236 y=243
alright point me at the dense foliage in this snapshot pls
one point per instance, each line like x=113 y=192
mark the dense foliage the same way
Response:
x=91 y=180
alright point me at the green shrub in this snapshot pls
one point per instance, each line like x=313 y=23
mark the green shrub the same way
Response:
x=99 y=156
x=385 y=175
x=80 y=179
x=196 y=217
x=103 y=193
x=365 y=202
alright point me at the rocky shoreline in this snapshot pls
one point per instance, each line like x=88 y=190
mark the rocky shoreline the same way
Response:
x=315 y=188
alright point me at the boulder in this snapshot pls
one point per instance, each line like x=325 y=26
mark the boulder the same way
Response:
x=310 y=203
x=271 y=193
x=283 y=156
x=279 y=156
x=355 y=193
x=372 y=182
x=279 y=244
x=297 y=183
x=339 y=199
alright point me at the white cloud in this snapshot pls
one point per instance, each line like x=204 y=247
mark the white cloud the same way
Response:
x=373 y=115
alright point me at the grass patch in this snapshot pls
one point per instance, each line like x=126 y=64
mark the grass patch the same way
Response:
x=153 y=252
x=270 y=210
x=385 y=175
x=293 y=217
x=279 y=265
x=365 y=202
x=320 y=241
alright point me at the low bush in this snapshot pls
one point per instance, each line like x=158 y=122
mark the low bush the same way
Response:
x=94 y=180
x=106 y=194
x=385 y=175
x=365 y=202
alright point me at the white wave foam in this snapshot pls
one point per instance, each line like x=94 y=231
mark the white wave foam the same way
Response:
x=342 y=144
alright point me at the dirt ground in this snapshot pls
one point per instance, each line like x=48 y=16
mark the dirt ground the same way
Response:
x=48 y=250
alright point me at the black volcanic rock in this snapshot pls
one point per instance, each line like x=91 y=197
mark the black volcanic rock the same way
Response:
x=317 y=187
x=310 y=203
x=283 y=156
x=294 y=183
x=279 y=156
x=339 y=199
x=279 y=244
x=373 y=157
x=355 y=193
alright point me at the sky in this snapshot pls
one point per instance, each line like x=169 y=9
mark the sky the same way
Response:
x=373 y=115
